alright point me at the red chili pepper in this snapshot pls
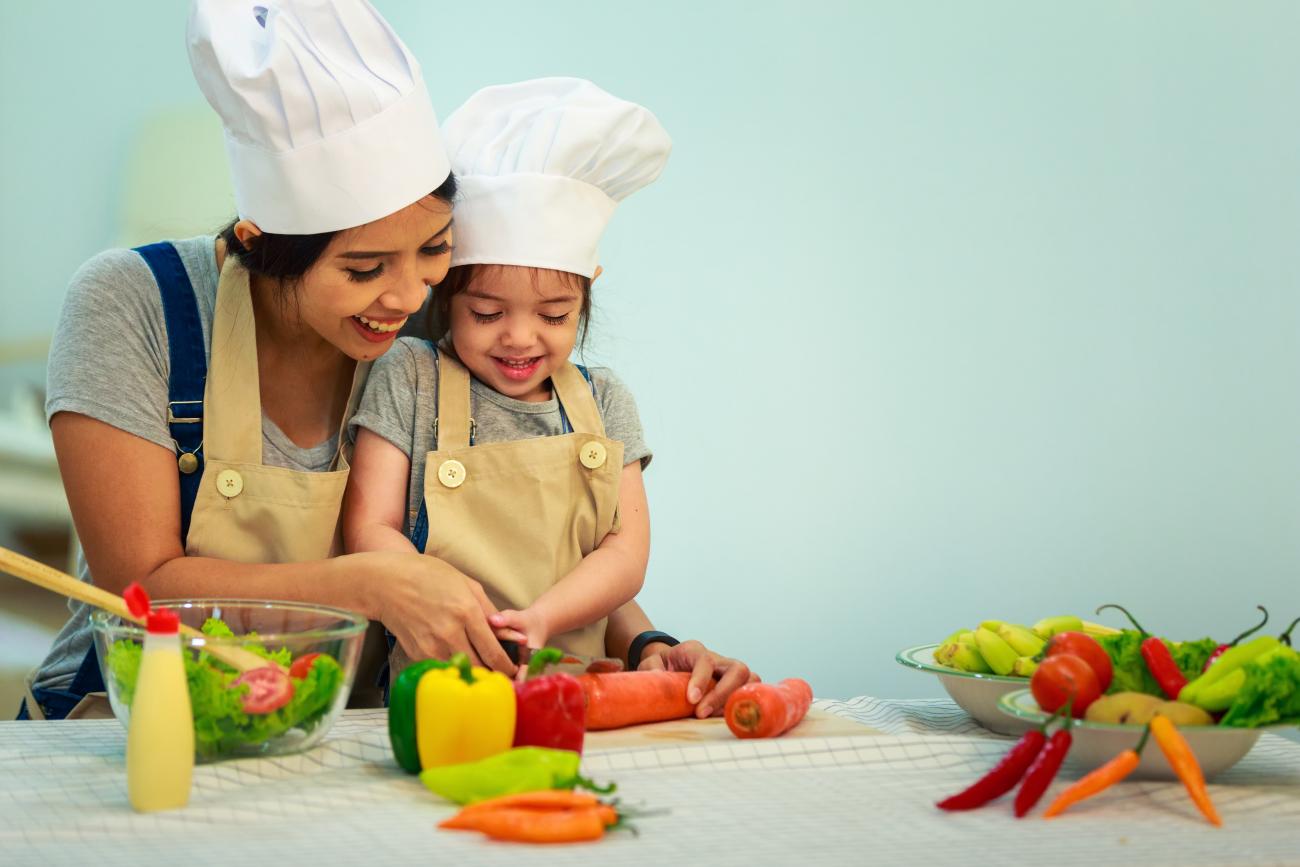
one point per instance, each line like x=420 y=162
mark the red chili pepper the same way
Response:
x=1160 y=662
x=1002 y=778
x=551 y=711
x=1043 y=770
x=1223 y=648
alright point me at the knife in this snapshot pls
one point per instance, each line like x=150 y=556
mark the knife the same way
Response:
x=572 y=663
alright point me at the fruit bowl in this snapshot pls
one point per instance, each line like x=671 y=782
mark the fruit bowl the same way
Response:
x=975 y=693
x=227 y=722
x=1217 y=748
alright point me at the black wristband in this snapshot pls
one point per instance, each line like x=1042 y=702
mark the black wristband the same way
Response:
x=638 y=644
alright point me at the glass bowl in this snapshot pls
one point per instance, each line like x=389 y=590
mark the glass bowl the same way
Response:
x=287 y=630
x=975 y=693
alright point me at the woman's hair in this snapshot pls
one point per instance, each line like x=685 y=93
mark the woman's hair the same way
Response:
x=285 y=258
x=459 y=278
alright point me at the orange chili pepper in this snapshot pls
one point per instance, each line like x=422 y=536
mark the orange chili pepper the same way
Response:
x=1099 y=780
x=1183 y=761
x=543 y=799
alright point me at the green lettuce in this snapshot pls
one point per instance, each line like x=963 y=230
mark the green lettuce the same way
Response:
x=220 y=724
x=1271 y=693
x=1131 y=673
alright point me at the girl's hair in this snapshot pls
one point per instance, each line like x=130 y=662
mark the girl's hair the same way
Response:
x=285 y=258
x=459 y=278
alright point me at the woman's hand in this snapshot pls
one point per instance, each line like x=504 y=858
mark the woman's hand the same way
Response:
x=713 y=677
x=434 y=609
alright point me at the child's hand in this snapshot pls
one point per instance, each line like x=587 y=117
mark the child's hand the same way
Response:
x=524 y=627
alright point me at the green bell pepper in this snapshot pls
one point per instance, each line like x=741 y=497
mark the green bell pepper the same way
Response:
x=401 y=714
x=522 y=769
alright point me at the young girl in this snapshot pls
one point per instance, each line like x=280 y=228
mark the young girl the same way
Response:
x=486 y=447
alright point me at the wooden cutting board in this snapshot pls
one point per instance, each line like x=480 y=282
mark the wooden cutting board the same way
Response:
x=818 y=724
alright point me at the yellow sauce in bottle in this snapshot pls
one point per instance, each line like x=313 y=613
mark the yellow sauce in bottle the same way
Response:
x=160 y=737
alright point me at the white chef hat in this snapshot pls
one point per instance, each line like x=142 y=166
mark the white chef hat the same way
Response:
x=541 y=165
x=328 y=124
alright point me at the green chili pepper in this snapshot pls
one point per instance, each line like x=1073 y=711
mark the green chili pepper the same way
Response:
x=523 y=769
x=1231 y=661
x=401 y=713
x=1219 y=695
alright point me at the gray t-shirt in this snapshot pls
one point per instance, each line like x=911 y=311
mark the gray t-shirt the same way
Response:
x=110 y=361
x=400 y=404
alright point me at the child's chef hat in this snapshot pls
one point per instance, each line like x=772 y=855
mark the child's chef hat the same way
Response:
x=328 y=124
x=540 y=167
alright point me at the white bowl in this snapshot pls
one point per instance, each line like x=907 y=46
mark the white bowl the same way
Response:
x=977 y=694
x=1217 y=748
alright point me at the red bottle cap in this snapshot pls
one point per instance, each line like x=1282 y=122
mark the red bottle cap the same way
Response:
x=164 y=622
x=137 y=601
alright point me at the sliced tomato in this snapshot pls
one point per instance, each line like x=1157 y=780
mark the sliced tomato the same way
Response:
x=302 y=665
x=269 y=689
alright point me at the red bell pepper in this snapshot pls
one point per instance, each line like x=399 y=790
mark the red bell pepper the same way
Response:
x=551 y=710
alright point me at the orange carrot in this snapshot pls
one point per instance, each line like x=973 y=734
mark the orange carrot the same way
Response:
x=1183 y=761
x=765 y=710
x=545 y=799
x=521 y=825
x=628 y=698
x=1103 y=778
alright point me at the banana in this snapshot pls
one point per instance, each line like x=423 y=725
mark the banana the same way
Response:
x=1022 y=641
x=996 y=652
x=1049 y=626
x=961 y=655
x=1025 y=666
x=1097 y=629
x=960 y=635
x=991 y=625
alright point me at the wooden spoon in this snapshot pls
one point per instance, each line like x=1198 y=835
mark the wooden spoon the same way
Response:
x=61 y=582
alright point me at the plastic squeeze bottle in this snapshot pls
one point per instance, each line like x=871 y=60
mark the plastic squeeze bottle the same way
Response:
x=160 y=737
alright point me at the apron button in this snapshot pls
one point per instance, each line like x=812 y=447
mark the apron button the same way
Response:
x=451 y=474
x=188 y=463
x=592 y=455
x=229 y=483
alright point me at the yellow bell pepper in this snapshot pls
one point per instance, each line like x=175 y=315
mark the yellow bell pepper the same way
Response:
x=463 y=714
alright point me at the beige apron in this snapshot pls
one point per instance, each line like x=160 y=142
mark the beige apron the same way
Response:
x=518 y=516
x=246 y=511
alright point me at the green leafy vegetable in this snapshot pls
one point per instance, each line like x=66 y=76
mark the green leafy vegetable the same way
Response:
x=220 y=724
x=1131 y=674
x=1271 y=692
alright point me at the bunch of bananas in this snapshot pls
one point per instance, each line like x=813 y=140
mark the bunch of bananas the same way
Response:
x=1008 y=648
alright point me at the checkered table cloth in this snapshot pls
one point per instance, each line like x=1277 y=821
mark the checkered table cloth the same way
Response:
x=843 y=800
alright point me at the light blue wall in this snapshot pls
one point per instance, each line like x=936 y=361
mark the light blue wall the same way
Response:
x=941 y=311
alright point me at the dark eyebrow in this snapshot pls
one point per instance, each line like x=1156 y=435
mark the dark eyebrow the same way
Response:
x=379 y=254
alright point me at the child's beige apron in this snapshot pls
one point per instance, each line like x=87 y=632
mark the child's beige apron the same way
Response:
x=518 y=516
x=246 y=511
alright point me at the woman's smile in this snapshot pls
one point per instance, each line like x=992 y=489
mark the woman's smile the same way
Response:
x=377 y=330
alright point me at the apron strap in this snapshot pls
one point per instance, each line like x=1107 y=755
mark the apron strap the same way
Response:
x=576 y=394
x=453 y=424
x=234 y=391
x=189 y=371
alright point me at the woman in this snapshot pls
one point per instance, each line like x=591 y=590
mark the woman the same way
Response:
x=197 y=388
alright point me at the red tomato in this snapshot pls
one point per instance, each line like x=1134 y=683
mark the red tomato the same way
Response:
x=269 y=689
x=1061 y=676
x=302 y=665
x=1086 y=648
